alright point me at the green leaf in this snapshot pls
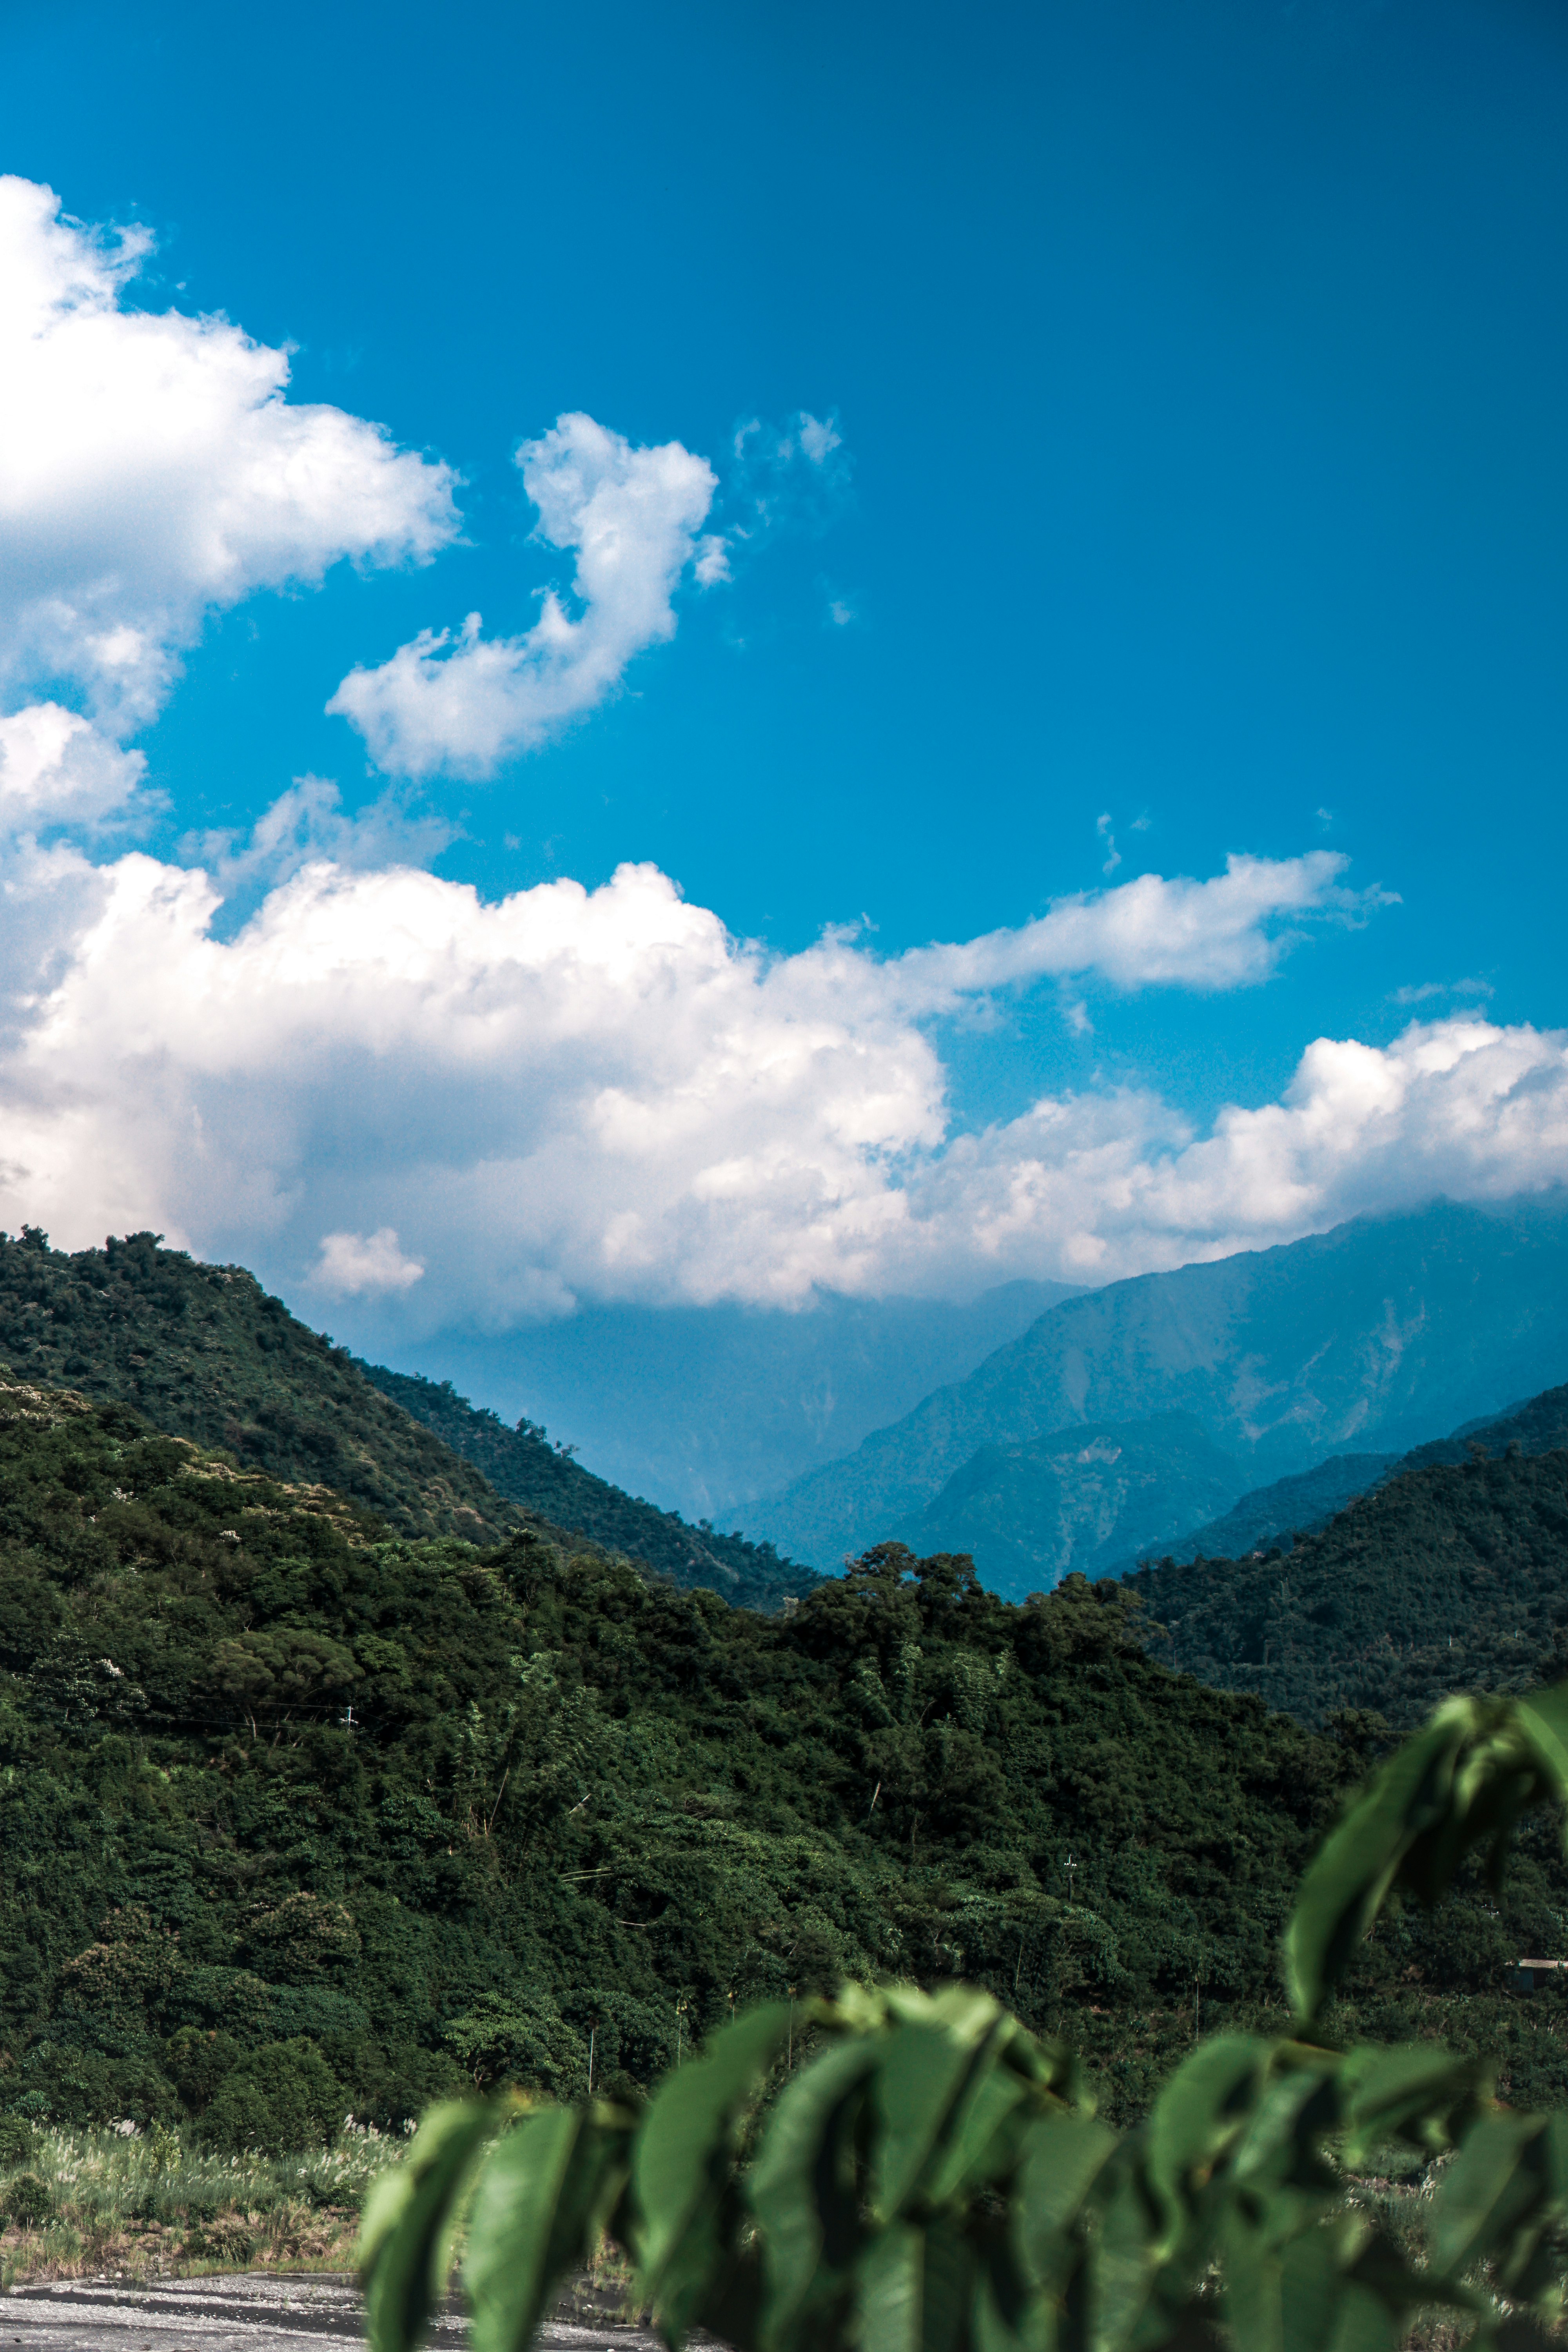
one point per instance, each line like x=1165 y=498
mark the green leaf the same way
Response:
x=688 y=2129
x=1007 y=2086
x=1123 y=2261
x=1544 y=1720
x=1417 y=2092
x=888 y=2289
x=1481 y=2191
x=1200 y=2114
x=1349 y=1880
x=1254 y=2307
x=936 y=2043
x=803 y=2188
x=410 y=2218
x=1311 y=2280
x=537 y=2213
x=683 y=2160
x=947 y=2285
x=1063 y=2157
x=1462 y=1781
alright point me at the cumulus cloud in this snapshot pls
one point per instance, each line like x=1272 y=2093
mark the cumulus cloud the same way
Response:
x=308 y=824
x=571 y=1092
x=151 y=469
x=352 y=1264
x=56 y=769
x=463 y=704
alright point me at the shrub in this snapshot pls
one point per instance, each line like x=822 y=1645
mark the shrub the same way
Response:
x=28 y=2200
x=283 y=2096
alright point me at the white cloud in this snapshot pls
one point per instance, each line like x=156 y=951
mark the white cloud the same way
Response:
x=56 y=769
x=604 y=1093
x=307 y=826
x=1148 y=933
x=354 y=1264
x=151 y=469
x=463 y=705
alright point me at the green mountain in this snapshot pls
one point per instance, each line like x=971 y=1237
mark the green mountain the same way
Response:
x=1450 y=1577
x=1301 y=1504
x=1083 y=1500
x=521 y=1465
x=1366 y=1339
x=206 y=1354
x=300 y=1818
x=1266 y=1515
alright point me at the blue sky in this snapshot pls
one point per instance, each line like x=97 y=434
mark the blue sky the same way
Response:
x=1199 y=375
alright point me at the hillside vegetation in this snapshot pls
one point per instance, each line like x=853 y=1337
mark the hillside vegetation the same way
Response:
x=207 y=1354
x=1452 y=1576
x=523 y=1465
x=300 y=1818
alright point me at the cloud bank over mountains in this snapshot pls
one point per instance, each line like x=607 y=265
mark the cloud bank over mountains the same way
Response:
x=493 y=1108
x=382 y=1085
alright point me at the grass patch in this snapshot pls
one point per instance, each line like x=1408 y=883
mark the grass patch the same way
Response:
x=91 y=2204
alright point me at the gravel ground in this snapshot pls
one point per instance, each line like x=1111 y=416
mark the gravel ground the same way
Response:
x=253 y=2311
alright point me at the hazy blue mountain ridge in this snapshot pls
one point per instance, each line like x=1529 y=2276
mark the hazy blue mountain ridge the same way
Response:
x=1299 y=1505
x=523 y=1465
x=1364 y=1339
x=695 y=1406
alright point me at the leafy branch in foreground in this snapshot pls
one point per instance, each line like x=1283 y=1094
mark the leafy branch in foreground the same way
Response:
x=932 y=2178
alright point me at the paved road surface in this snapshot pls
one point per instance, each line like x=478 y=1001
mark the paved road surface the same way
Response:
x=254 y=2312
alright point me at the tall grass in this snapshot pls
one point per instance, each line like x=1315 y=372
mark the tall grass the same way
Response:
x=80 y=2204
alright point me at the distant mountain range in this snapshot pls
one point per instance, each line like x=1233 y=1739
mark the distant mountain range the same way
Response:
x=695 y=1407
x=1364 y=1341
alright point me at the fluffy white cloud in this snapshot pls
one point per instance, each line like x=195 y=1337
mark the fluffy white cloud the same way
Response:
x=352 y=1264
x=604 y=1092
x=462 y=705
x=56 y=769
x=151 y=469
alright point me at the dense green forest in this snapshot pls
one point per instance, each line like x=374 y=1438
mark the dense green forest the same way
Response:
x=521 y=1465
x=1452 y=1576
x=207 y=1354
x=301 y=1816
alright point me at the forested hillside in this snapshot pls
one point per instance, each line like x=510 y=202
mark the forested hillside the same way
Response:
x=299 y=1817
x=521 y=1465
x=1451 y=1577
x=207 y=1354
